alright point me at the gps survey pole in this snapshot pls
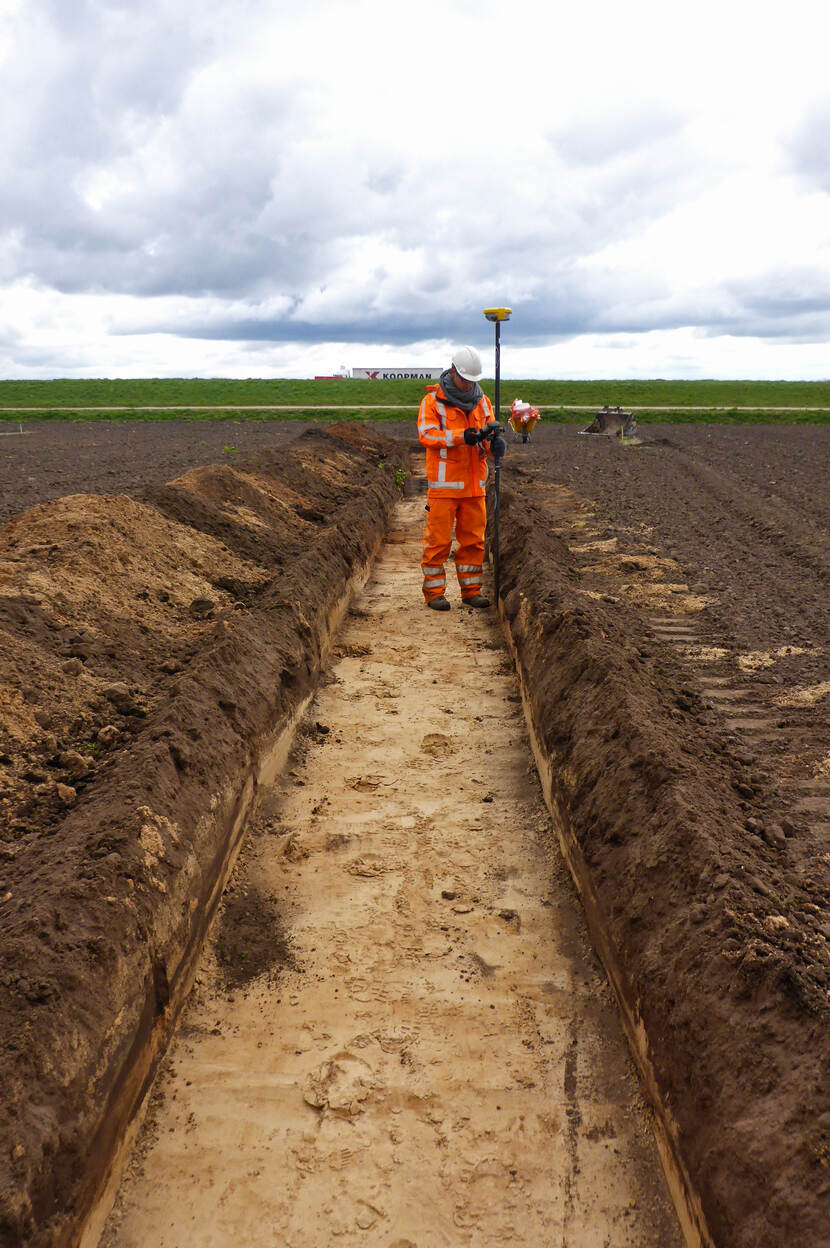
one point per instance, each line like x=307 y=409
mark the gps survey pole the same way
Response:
x=497 y=315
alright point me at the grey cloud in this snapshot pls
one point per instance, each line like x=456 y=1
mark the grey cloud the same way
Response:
x=809 y=149
x=565 y=312
x=384 y=179
x=20 y=358
x=785 y=305
x=251 y=212
x=11 y=340
x=221 y=227
x=87 y=81
x=246 y=211
x=574 y=301
x=397 y=333
x=85 y=75
x=597 y=141
x=247 y=203
x=790 y=294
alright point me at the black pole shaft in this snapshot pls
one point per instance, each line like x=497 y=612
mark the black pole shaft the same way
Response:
x=496 y=579
x=498 y=370
x=498 y=472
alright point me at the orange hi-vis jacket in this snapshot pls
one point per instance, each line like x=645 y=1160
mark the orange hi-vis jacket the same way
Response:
x=454 y=469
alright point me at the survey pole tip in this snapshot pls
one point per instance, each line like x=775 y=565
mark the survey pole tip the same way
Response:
x=498 y=314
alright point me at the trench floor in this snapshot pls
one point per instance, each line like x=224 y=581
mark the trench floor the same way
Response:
x=437 y=1062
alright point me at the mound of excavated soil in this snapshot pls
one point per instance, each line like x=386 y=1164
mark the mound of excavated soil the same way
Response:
x=53 y=458
x=152 y=652
x=703 y=871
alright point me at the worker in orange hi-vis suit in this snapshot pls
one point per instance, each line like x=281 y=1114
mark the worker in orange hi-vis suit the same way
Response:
x=455 y=424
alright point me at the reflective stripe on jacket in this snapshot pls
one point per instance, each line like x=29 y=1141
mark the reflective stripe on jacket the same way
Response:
x=454 y=469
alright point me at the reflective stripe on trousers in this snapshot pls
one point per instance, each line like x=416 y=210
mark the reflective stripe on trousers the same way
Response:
x=468 y=517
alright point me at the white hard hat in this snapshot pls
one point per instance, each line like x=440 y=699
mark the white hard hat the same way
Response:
x=467 y=363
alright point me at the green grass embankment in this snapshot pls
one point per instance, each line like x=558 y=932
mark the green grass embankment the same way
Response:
x=217 y=398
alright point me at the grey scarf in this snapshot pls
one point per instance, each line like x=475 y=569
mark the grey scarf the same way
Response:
x=465 y=399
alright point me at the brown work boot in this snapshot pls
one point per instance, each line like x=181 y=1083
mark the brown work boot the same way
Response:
x=477 y=600
x=439 y=604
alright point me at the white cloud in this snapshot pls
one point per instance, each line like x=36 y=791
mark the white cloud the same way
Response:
x=266 y=184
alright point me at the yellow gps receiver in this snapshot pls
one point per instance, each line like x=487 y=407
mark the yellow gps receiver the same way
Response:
x=498 y=314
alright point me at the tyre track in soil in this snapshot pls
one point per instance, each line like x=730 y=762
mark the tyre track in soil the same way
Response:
x=758 y=658
x=438 y=1062
x=773 y=533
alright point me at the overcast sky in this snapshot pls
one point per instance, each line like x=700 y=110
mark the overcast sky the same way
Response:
x=259 y=188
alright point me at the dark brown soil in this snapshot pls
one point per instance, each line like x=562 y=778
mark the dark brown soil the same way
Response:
x=57 y=457
x=669 y=605
x=250 y=940
x=152 y=649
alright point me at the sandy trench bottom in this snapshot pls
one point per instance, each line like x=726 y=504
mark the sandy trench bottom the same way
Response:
x=439 y=1061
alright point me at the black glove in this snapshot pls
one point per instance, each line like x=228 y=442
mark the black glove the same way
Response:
x=472 y=436
x=498 y=446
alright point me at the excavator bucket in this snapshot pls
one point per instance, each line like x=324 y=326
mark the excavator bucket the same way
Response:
x=613 y=421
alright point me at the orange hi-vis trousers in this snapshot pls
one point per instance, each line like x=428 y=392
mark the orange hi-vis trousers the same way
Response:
x=469 y=516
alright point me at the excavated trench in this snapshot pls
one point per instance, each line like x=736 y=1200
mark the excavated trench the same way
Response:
x=399 y=1032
